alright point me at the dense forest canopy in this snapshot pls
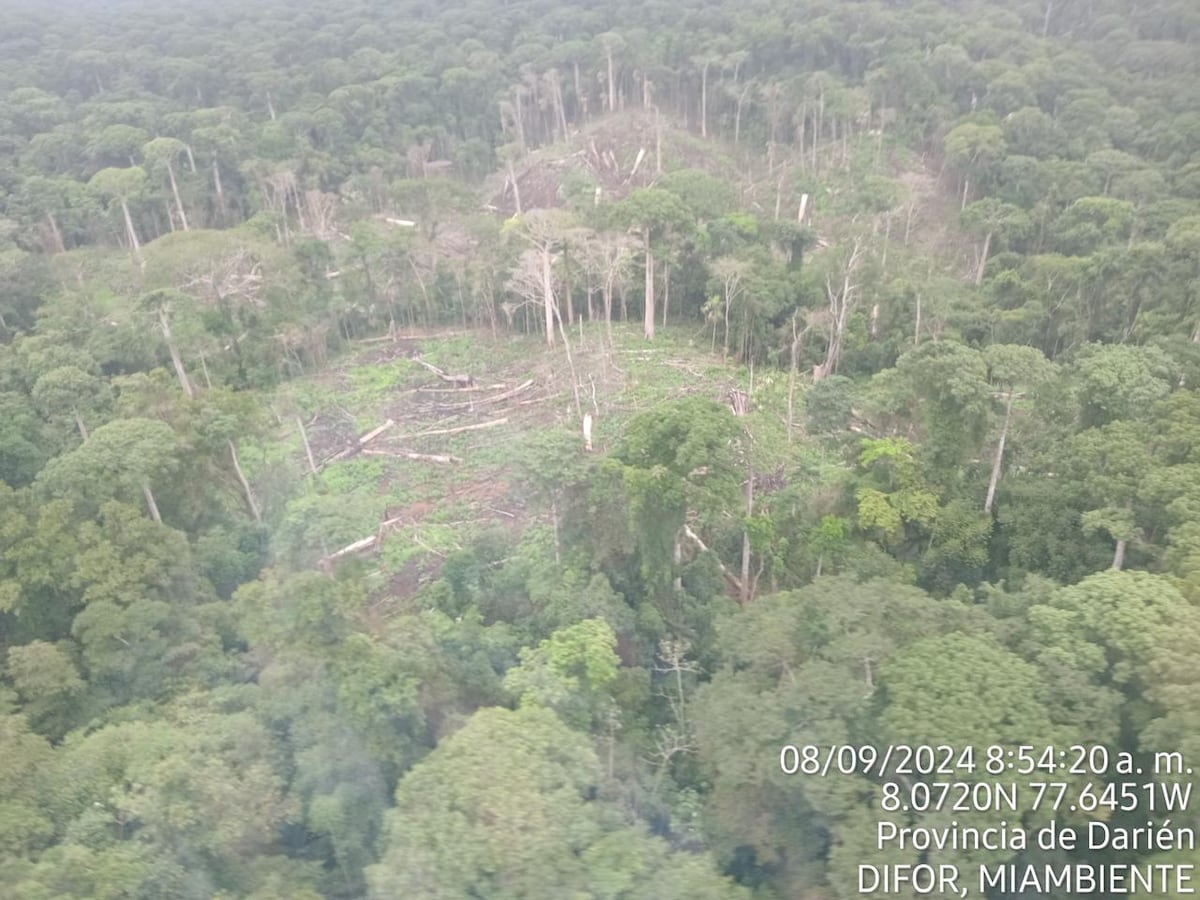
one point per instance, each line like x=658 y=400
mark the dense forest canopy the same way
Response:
x=451 y=450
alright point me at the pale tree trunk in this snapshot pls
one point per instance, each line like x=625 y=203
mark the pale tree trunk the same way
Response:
x=178 y=202
x=134 y=244
x=606 y=298
x=580 y=100
x=657 y=143
x=737 y=116
x=1119 y=555
x=221 y=209
x=83 y=432
x=237 y=467
x=666 y=293
x=983 y=258
x=512 y=177
x=570 y=361
x=312 y=465
x=568 y=288
x=649 y=318
x=745 y=585
x=54 y=230
x=840 y=306
x=547 y=294
x=725 y=337
x=704 y=101
x=554 y=523
x=796 y=337
x=612 y=85
x=556 y=85
x=677 y=559
x=998 y=462
x=164 y=323
x=150 y=504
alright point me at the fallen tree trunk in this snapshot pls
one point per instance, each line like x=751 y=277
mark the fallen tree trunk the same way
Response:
x=420 y=457
x=461 y=380
x=460 y=390
x=365 y=544
x=505 y=395
x=462 y=428
x=357 y=446
x=374 y=433
x=733 y=579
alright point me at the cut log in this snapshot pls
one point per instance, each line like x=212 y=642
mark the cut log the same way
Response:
x=419 y=457
x=460 y=390
x=365 y=544
x=492 y=424
x=375 y=432
x=357 y=446
x=495 y=398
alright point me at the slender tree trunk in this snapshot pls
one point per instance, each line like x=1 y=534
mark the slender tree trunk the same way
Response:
x=612 y=85
x=83 y=432
x=191 y=158
x=657 y=143
x=608 y=309
x=164 y=324
x=237 y=467
x=704 y=100
x=677 y=559
x=558 y=99
x=737 y=118
x=666 y=292
x=792 y=379
x=178 y=202
x=1119 y=555
x=150 y=504
x=580 y=100
x=312 y=465
x=745 y=585
x=58 y=239
x=725 y=338
x=547 y=294
x=983 y=258
x=649 y=317
x=220 y=192
x=568 y=290
x=998 y=462
x=512 y=177
x=570 y=362
x=134 y=244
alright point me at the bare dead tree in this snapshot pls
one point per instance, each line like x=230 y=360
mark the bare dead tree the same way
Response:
x=842 y=295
